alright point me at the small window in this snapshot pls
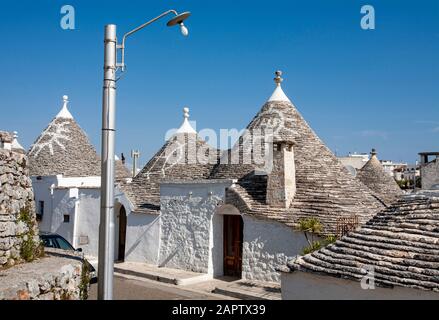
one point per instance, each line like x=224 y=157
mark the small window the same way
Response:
x=66 y=218
x=40 y=210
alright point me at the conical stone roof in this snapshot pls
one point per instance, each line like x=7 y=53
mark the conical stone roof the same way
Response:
x=382 y=185
x=63 y=148
x=179 y=158
x=401 y=243
x=324 y=188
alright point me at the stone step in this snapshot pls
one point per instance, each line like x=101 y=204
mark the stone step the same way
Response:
x=165 y=275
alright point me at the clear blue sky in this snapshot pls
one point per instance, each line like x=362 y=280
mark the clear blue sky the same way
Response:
x=358 y=89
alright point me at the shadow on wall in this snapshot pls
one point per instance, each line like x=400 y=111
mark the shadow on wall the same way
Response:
x=132 y=223
x=169 y=258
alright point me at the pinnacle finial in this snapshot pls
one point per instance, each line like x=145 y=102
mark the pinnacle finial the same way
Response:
x=373 y=152
x=186 y=112
x=186 y=126
x=64 y=112
x=15 y=144
x=278 y=79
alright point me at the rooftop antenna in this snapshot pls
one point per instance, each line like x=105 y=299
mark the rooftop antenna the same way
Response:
x=135 y=155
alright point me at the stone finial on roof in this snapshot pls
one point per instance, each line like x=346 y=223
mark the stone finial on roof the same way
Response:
x=64 y=112
x=373 y=152
x=15 y=144
x=186 y=126
x=278 y=79
x=278 y=94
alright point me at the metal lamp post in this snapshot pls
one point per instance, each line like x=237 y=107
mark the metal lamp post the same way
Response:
x=106 y=225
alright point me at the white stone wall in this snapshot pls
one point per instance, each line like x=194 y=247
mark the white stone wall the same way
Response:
x=63 y=204
x=192 y=234
x=268 y=245
x=307 y=286
x=187 y=238
x=42 y=193
x=87 y=222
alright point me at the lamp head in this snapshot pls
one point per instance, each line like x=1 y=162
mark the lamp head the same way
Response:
x=184 y=31
x=178 y=19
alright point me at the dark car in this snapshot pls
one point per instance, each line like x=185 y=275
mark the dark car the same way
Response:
x=54 y=240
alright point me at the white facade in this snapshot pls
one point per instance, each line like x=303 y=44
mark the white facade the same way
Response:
x=192 y=233
x=70 y=207
x=64 y=205
x=391 y=167
x=268 y=245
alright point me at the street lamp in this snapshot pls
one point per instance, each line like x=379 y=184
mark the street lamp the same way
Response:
x=106 y=225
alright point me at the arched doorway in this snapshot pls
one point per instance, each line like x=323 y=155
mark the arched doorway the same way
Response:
x=122 y=234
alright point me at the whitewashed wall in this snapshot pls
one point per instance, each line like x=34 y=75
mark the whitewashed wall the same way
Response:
x=268 y=245
x=143 y=238
x=42 y=193
x=307 y=286
x=63 y=203
x=87 y=222
x=187 y=236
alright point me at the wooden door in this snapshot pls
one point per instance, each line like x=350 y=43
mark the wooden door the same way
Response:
x=122 y=233
x=233 y=229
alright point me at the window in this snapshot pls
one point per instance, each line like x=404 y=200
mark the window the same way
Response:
x=63 y=244
x=40 y=210
x=346 y=225
x=66 y=218
x=49 y=242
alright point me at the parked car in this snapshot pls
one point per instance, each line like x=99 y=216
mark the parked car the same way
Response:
x=54 y=240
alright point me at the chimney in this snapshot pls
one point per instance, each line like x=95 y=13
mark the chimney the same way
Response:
x=281 y=181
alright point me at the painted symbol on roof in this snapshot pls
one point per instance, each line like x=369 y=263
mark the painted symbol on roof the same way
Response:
x=55 y=134
x=273 y=119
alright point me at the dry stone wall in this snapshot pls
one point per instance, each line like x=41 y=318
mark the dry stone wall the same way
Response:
x=59 y=275
x=18 y=229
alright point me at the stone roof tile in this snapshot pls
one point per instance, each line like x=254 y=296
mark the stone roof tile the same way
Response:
x=401 y=243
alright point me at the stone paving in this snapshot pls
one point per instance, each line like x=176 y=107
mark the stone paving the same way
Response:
x=202 y=283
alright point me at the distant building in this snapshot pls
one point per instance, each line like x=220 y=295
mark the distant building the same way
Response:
x=354 y=161
x=429 y=170
x=411 y=172
x=390 y=167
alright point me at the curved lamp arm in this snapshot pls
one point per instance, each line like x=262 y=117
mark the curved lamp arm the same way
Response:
x=126 y=35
